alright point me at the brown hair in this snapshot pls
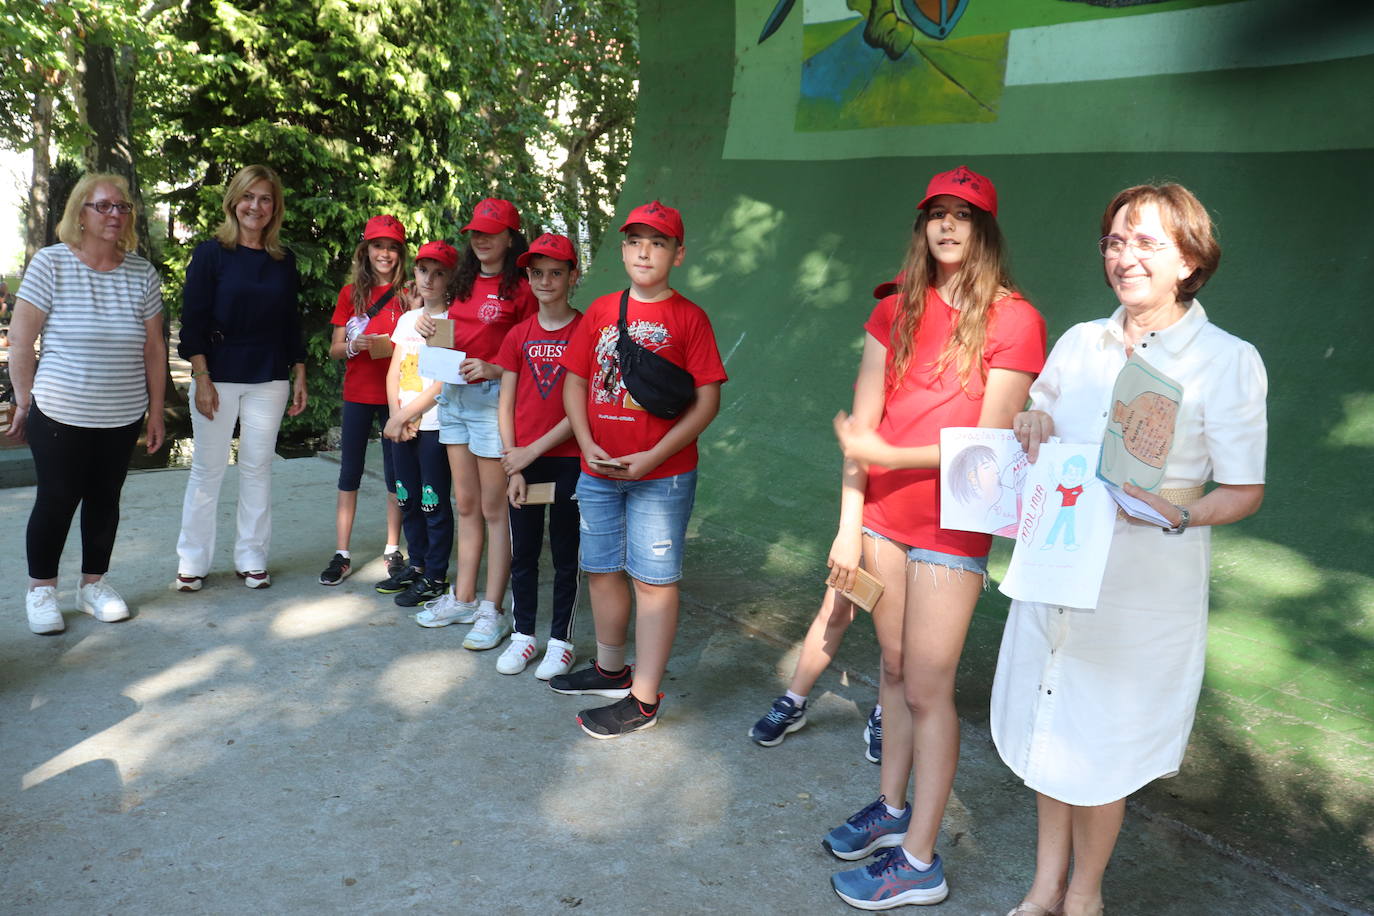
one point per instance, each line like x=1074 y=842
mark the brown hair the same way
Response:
x=228 y=231
x=364 y=279
x=69 y=227
x=983 y=278
x=469 y=267
x=1184 y=218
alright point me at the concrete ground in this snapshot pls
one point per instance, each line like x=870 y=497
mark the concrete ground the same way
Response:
x=310 y=750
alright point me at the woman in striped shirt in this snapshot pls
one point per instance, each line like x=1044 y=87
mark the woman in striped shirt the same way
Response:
x=98 y=307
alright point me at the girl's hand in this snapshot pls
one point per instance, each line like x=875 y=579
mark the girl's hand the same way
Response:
x=858 y=443
x=478 y=370
x=424 y=326
x=395 y=429
x=16 y=427
x=845 y=552
x=410 y=296
x=299 y=397
x=515 y=490
x=517 y=459
x=1032 y=427
x=637 y=464
x=207 y=398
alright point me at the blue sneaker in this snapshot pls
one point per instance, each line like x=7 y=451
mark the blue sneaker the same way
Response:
x=870 y=829
x=873 y=737
x=782 y=720
x=890 y=881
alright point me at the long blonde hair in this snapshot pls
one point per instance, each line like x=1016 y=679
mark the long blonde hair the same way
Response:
x=982 y=279
x=228 y=231
x=69 y=228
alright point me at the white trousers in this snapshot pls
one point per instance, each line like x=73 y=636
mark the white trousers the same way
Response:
x=258 y=408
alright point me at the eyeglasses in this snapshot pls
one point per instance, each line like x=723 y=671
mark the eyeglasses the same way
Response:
x=103 y=207
x=1143 y=246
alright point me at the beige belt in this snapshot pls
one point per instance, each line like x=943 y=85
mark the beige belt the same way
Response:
x=1179 y=496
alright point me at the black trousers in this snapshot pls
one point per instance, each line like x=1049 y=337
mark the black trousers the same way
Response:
x=527 y=543
x=76 y=466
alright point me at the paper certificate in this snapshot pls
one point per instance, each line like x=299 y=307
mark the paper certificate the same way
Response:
x=442 y=364
x=1065 y=532
x=981 y=477
x=1140 y=426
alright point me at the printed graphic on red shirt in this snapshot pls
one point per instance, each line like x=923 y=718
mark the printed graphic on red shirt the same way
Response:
x=608 y=387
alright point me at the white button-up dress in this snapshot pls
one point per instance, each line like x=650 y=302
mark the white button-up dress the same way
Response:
x=1090 y=705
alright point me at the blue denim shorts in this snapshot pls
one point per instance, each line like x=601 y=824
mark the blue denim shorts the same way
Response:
x=467 y=416
x=977 y=565
x=639 y=526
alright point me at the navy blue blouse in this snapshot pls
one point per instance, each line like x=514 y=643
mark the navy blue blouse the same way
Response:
x=240 y=309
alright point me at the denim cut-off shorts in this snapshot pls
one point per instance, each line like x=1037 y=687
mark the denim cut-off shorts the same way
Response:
x=638 y=526
x=467 y=416
x=951 y=561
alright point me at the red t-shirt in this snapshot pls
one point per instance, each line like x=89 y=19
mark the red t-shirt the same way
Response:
x=533 y=353
x=905 y=504
x=676 y=329
x=483 y=319
x=365 y=377
x=1069 y=495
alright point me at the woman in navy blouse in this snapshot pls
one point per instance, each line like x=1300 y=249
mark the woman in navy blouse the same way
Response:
x=241 y=331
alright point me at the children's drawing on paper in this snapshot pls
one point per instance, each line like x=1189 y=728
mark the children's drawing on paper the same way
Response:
x=980 y=480
x=1065 y=531
x=1140 y=427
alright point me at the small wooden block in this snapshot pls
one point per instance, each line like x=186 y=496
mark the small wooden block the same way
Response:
x=539 y=494
x=443 y=333
x=380 y=347
x=867 y=590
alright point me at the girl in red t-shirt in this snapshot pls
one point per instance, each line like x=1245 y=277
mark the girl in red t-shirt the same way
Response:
x=491 y=295
x=955 y=346
x=364 y=317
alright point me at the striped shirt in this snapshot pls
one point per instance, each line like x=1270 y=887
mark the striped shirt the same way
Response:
x=90 y=365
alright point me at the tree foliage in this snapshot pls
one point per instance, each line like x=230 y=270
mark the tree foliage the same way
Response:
x=363 y=106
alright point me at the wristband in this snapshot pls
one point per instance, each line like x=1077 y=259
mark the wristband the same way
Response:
x=200 y=373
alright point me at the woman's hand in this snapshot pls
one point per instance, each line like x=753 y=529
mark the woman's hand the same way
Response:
x=1032 y=427
x=207 y=398
x=299 y=397
x=155 y=431
x=478 y=370
x=516 y=490
x=845 y=552
x=517 y=459
x=859 y=443
x=1155 y=502
x=17 y=424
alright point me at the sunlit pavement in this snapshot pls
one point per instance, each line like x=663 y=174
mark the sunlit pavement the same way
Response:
x=304 y=749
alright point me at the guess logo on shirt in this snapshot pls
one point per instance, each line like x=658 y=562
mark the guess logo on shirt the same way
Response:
x=542 y=358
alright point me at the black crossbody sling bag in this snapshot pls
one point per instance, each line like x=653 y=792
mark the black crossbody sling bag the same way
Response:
x=661 y=387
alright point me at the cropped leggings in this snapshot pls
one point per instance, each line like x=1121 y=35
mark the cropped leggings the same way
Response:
x=76 y=466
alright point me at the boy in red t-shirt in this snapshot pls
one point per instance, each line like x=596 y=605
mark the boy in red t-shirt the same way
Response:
x=638 y=478
x=538 y=447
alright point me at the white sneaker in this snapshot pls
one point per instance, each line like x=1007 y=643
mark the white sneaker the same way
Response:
x=558 y=659
x=489 y=629
x=44 y=617
x=101 y=601
x=255 y=578
x=445 y=610
x=522 y=648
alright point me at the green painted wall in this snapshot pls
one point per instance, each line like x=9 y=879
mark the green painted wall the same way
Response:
x=783 y=253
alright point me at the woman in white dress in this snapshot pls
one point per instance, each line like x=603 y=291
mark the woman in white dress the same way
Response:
x=1090 y=705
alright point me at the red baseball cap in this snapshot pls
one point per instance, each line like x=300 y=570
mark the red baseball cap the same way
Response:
x=964 y=183
x=658 y=216
x=440 y=251
x=492 y=215
x=549 y=245
x=385 y=226
x=883 y=290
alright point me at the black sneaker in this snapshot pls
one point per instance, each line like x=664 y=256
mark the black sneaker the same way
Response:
x=395 y=563
x=337 y=570
x=594 y=681
x=782 y=720
x=620 y=718
x=422 y=589
x=399 y=581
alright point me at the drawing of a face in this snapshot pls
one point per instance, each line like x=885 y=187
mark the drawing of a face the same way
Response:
x=984 y=478
x=1075 y=469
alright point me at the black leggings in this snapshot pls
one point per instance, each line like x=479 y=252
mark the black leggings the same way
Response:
x=527 y=543
x=76 y=465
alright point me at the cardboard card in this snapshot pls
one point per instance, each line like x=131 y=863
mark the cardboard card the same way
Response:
x=443 y=333
x=380 y=347
x=867 y=590
x=539 y=494
x=442 y=365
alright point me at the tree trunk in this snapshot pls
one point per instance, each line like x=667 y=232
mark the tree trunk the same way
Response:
x=108 y=87
x=36 y=220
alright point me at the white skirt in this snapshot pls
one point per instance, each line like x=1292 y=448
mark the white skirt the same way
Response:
x=1090 y=705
